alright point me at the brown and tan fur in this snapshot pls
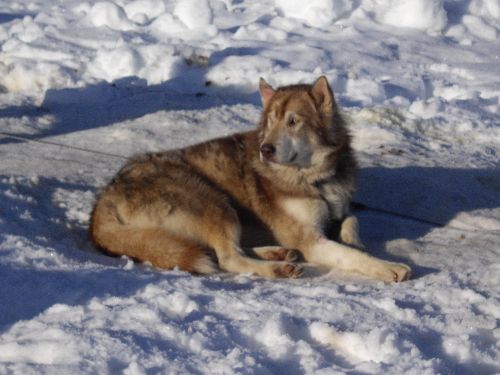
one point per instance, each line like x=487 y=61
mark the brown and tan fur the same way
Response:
x=282 y=185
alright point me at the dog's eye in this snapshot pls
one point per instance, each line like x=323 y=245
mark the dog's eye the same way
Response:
x=292 y=121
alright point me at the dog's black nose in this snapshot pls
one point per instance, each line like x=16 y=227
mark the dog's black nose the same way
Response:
x=267 y=150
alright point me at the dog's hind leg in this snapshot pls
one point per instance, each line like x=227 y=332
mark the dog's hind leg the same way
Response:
x=144 y=240
x=157 y=246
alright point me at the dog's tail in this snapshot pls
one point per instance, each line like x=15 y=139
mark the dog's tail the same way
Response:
x=147 y=244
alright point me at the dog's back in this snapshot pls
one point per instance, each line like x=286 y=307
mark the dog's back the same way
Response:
x=172 y=208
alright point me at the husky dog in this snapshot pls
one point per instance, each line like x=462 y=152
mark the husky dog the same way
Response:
x=256 y=202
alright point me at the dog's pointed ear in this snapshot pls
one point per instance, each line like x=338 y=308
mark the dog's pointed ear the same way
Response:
x=323 y=96
x=266 y=91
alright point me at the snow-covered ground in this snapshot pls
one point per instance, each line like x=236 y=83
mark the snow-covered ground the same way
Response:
x=419 y=81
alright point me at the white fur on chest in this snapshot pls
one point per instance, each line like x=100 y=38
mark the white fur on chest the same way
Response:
x=306 y=210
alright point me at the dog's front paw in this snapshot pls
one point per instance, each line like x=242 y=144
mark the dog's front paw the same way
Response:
x=288 y=270
x=397 y=272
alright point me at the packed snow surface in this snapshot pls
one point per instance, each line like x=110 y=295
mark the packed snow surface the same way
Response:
x=85 y=84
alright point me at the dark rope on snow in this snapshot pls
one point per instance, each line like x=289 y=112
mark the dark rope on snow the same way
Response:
x=354 y=205
x=51 y=143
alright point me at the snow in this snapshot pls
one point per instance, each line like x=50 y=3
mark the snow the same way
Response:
x=417 y=14
x=106 y=13
x=478 y=27
x=315 y=12
x=195 y=14
x=90 y=83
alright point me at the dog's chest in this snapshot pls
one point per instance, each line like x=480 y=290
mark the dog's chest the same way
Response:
x=308 y=211
x=337 y=198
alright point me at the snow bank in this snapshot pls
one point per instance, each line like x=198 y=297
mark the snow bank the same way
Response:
x=110 y=40
x=240 y=72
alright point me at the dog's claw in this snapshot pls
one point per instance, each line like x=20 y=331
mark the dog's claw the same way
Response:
x=289 y=270
x=401 y=272
x=293 y=255
x=283 y=254
x=392 y=272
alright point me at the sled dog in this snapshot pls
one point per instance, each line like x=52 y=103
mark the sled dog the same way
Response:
x=257 y=202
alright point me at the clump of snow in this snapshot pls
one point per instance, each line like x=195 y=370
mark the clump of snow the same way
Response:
x=426 y=109
x=257 y=31
x=26 y=31
x=378 y=345
x=241 y=71
x=274 y=336
x=195 y=14
x=109 y=14
x=56 y=347
x=191 y=20
x=316 y=13
x=417 y=14
x=168 y=26
x=24 y=77
x=363 y=89
x=155 y=64
x=142 y=11
x=122 y=61
x=485 y=8
x=478 y=27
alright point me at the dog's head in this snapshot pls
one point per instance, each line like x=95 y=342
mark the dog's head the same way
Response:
x=298 y=124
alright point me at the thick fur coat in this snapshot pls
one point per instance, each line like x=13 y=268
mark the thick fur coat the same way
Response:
x=257 y=202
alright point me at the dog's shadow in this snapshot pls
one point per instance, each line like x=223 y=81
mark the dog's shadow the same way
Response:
x=95 y=105
x=405 y=204
x=46 y=257
x=397 y=206
x=432 y=195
